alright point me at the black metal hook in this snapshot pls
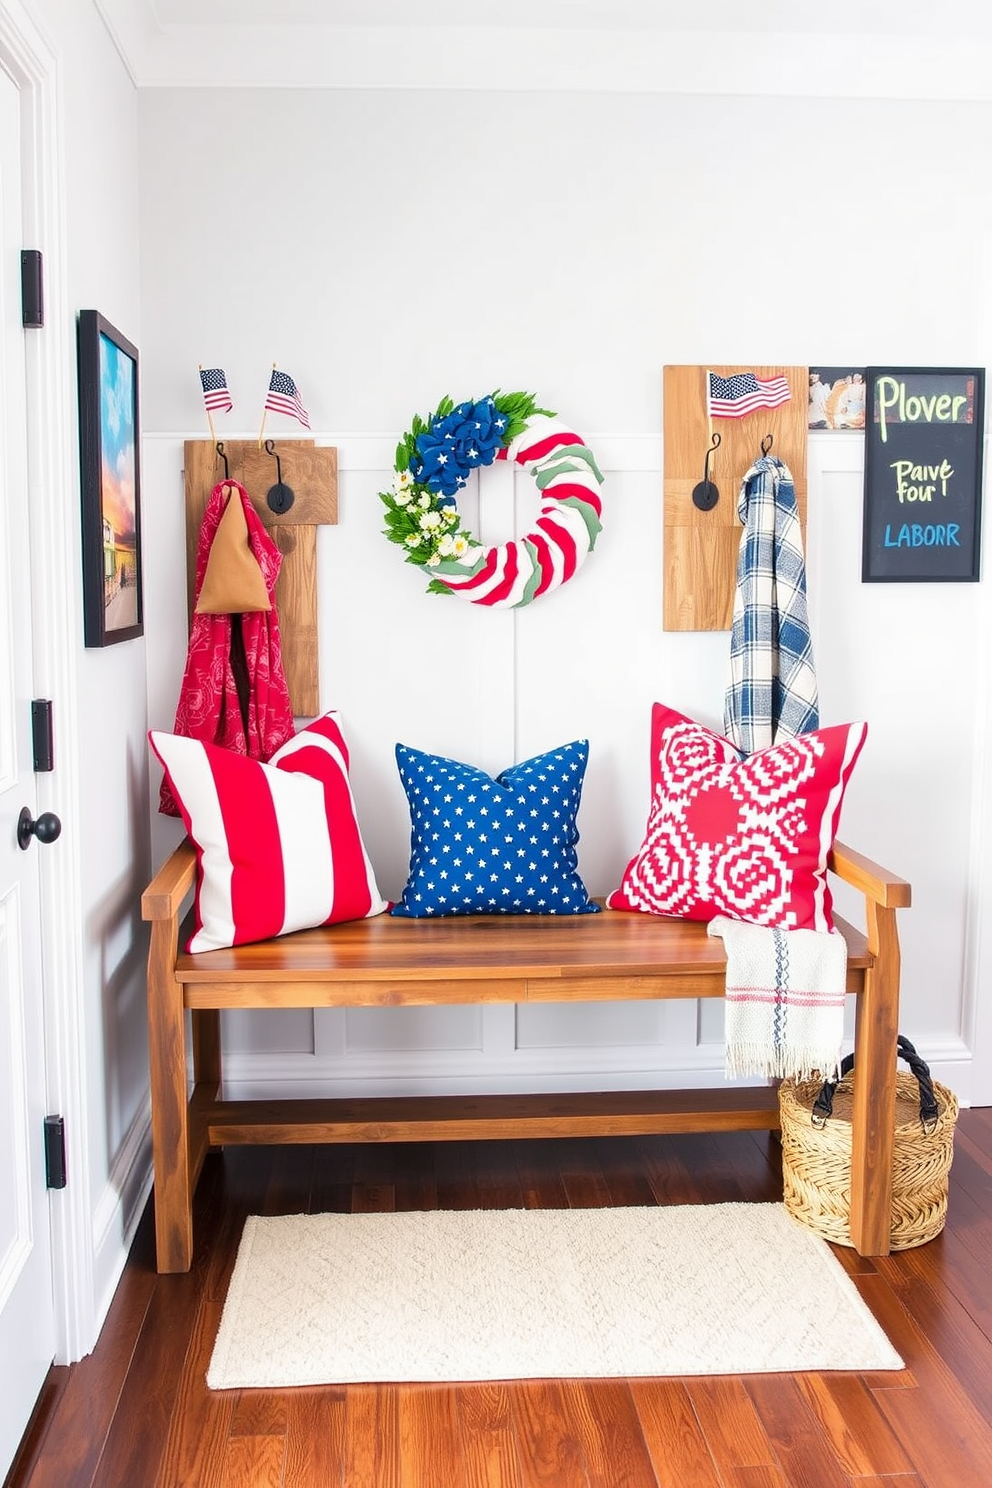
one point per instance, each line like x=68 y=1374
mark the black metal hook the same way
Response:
x=767 y=443
x=221 y=451
x=280 y=497
x=270 y=449
x=706 y=495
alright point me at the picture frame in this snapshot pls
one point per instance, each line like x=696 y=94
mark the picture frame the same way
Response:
x=837 y=399
x=923 y=475
x=110 y=486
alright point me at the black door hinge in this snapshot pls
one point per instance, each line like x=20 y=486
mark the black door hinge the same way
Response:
x=42 y=743
x=32 y=290
x=55 y=1152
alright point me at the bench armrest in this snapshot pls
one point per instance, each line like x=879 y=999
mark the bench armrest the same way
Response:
x=876 y=883
x=162 y=900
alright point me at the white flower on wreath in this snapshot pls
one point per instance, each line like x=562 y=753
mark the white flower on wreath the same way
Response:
x=453 y=546
x=450 y=514
x=430 y=521
x=402 y=487
x=413 y=541
x=425 y=501
x=433 y=561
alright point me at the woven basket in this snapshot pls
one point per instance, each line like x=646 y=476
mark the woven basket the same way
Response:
x=816 y=1153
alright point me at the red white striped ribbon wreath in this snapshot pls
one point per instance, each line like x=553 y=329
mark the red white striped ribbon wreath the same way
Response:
x=512 y=574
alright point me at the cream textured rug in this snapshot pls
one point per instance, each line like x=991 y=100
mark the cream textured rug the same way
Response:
x=535 y=1293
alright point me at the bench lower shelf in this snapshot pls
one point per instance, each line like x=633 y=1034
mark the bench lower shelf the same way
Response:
x=462 y=1118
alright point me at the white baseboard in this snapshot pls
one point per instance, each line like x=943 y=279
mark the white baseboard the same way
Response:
x=116 y=1217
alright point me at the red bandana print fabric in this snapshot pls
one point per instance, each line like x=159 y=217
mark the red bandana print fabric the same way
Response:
x=747 y=836
x=208 y=707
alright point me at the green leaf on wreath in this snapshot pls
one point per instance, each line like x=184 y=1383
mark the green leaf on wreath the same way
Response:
x=519 y=408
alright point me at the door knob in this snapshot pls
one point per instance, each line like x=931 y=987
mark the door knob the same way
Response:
x=46 y=828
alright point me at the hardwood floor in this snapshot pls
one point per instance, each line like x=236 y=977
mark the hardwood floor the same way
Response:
x=137 y=1414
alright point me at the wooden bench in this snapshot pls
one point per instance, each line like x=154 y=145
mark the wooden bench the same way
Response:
x=392 y=962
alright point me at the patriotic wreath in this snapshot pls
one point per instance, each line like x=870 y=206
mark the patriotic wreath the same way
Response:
x=434 y=461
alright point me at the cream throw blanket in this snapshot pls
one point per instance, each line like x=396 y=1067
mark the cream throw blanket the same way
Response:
x=784 y=1000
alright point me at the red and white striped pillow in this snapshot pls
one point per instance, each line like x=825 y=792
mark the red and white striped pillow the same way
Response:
x=278 y=845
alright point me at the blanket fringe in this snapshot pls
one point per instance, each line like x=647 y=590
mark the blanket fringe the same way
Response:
x=783 y=1063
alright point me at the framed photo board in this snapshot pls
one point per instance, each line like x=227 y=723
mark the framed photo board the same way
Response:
x=837 y=398
x=110 y=485
x=923 y=474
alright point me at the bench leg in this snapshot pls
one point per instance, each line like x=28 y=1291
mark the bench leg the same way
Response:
x=873 y=1113
x=170 y=1121
x=206 y=1046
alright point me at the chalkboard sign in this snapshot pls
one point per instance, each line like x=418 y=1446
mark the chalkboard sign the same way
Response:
x=923 y=474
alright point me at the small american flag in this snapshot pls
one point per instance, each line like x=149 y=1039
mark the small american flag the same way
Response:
x=737 y=396
x=216 y=395
x=284 y=397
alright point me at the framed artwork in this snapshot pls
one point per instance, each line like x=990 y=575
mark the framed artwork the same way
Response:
x=110 y=483
x=923 y=474
x=837 y=398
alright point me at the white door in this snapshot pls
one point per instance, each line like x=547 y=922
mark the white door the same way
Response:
x=27 y=1316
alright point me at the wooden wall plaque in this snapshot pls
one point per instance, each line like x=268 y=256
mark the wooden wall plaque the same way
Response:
x=701 y=547
x=311 y=472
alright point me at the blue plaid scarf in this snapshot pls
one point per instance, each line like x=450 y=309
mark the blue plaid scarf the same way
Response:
x=772 y=691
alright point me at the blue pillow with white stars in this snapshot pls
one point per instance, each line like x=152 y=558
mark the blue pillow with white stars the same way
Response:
x=485 y=846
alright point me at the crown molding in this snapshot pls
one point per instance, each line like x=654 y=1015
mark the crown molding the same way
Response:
x=305 y=54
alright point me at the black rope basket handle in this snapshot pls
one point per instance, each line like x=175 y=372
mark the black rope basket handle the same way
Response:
x=823 y=1106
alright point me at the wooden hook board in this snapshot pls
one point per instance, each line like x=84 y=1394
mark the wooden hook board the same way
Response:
x=311 y=471
x=701 y=547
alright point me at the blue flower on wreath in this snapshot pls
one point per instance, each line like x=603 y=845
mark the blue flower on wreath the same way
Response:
x=455 y=445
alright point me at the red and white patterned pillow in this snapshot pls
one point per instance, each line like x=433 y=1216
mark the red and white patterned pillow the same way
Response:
x=278 y=845
x=747 y=836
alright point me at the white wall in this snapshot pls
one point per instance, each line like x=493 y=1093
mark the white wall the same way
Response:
x=388 y=247
x=96 y=266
